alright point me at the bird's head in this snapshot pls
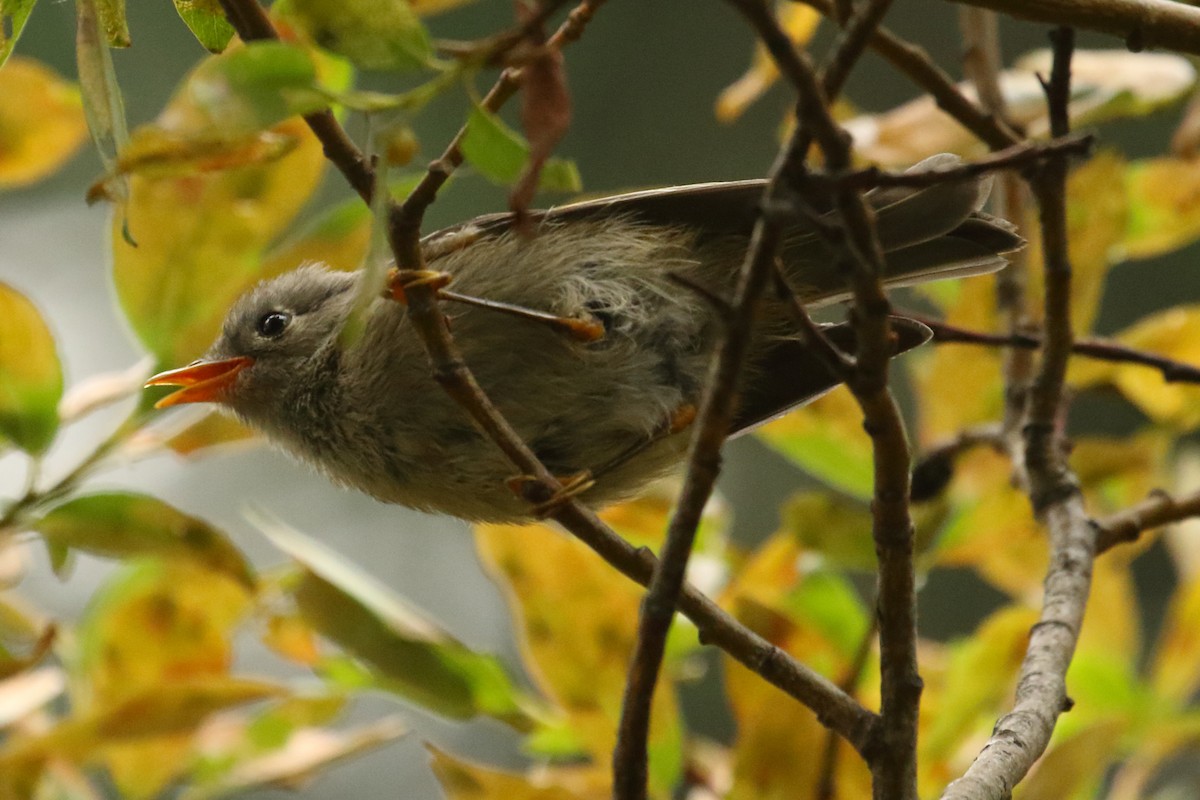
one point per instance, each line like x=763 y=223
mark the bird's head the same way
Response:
x=267 y=344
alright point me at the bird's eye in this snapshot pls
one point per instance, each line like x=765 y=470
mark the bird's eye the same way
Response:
x=272 y=324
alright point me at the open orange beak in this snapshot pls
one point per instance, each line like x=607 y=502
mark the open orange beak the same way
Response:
x=202 y=381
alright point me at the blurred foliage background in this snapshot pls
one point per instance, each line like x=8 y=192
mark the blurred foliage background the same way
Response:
x=645 y=80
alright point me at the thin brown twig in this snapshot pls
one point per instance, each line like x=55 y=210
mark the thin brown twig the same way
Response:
x=913 y=61
x=1157 y=510
x=1100 y=349
x=1025 y=155
x=827 y=777
x=833 y=707
x=1021 y=736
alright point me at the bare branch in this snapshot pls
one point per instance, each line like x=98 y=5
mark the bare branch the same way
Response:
x=1021 y=736
x=1143 y=24
x=1025 y=155
x=914 y=62
x=1157 y=510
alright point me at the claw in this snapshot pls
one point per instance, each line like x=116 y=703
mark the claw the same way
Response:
x=570 y=486
x=399 y=281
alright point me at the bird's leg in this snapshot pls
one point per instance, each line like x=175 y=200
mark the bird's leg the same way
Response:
x=677 y=421
x=579 y=482
x=569 y=486
x=579 y=329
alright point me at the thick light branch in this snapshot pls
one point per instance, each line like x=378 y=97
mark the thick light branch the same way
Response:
x=1143 y=24
x=1022 y=735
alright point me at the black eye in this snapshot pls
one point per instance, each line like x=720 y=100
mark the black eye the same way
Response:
x=273 y=323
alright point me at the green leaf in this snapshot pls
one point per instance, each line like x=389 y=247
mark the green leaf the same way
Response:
x=500 y=154
x=374 y=34
x=30 y=374
x=207 y=22
x=102 y=101
x=13 y=16
x=839 y=530
x=411 y=655
x=125 y=525
x=827 y=602
x=826 y=440
x=253 y=87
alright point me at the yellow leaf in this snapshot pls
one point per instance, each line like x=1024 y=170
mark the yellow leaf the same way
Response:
x=1164 y=206
x=977 y=681
x=1074 y=767
x=826 y=439
x=41 y=122
x=1175 y=334
x=1111 y=628
x=799 y=22
x=578 y=620
x=462 y=780
x=30 y=374
x=1097 y=216
x=292 y=638
x=200 y=241
x=155 y=624
x=992 y=529
x=211 y=430
x=771 y=732
x=959 y=386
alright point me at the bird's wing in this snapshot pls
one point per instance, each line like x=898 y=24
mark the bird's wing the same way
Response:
x=790 y=374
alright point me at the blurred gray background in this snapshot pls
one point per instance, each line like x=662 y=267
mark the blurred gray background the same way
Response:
x=643 y=79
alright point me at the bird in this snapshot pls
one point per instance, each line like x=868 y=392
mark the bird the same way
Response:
x=642 y=273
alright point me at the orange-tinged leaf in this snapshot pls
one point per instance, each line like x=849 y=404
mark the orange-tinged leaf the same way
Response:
x=826 y=439
x=41 y=122
x=799 y=22
x=212 y=430
x=30 y=374
x=771 y=733
x=1173 y=673
x=462 y=780
x=156 y=624
x=292 y=638
x=578 y=619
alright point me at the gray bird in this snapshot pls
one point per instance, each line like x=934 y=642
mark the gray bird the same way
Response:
x=371 y=416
